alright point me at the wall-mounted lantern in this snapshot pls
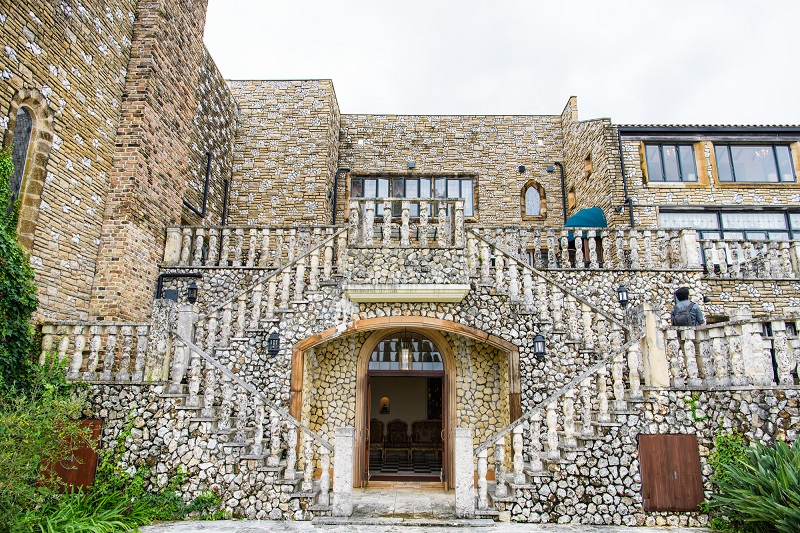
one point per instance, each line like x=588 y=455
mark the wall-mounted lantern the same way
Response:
x=273 y=343
x=622 y=296
x=539 y=347
x=191 y=293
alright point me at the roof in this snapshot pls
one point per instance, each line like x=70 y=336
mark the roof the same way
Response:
x=724 y=129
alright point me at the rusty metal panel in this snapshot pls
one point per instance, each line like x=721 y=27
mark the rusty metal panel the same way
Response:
x=79 y=468
x=670 y=469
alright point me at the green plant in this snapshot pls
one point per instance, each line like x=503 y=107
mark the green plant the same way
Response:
x=692 y=402
x=757 y=489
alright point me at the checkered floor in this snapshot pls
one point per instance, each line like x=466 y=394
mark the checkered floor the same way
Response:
x=398 y=463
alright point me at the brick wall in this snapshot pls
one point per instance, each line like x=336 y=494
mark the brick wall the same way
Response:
x=149 y=172
x=75 y=54
x=285 y=152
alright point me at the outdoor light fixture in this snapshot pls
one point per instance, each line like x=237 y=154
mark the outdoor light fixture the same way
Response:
x=706 y=299
x=191 y=293
x=521 y=168
x=622 y=296
x=411 y=165
x=552 y=168
x=539 y=347
x=273 y=343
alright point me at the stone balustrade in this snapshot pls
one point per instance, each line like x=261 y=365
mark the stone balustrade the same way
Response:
x=739 y=258
x=406 y=222
x=741 y=352
x=236 y=246
x=106 y=351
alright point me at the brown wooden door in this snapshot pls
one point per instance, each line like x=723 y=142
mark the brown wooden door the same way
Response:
x=670 y=469
x=79 y=468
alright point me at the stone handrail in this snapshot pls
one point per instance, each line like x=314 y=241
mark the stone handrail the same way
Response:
x=447 y=231
x=739 y=258
x=735 y=353
x=596 y=248
x=240 y=246
x=105 y=351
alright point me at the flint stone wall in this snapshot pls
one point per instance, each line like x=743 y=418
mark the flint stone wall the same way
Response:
x=406 y=265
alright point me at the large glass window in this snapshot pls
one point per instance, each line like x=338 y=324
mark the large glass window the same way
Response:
x=754 y=163
x=406 y=352
x=755 y=225
x=19 y=154
x=670 y=162
x=403 y=187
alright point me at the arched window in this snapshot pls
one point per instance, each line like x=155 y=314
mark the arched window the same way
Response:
x=533 y=204
x=20 y=141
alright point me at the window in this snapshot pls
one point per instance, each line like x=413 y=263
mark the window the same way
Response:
x=20 y=141
x=670 y=162
x=754 y=225
x=533 y=204
x=754 y=163
x=423 y=187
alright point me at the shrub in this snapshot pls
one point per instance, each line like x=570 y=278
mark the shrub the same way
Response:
x=756 y=488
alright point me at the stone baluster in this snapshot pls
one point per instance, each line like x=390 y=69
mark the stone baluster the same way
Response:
x=423 y=223
x=587 y=429
x=179 y=363
x=458 y=238
x=634 y=246
x=327 y=259
x=588 y=330
x=618 y=380
x=272 y=291
x=580 y=261
x=552 y=258
x=796 y=347
x=225 y=248
x=387 y=224
x=647 y=242
x=79 y=331
x=785 y=258
x=605 y=240
x=286 y=282
x=252 y=247
x=324 y=476
x=198 y=335
x=736 y=259
x=565 y=249
x=634 y=377
x=783 y=358
x=543 y=302
x=485 y=264
x=226 y=404
x=238 y=246
x=760 y=360
x=354 y=229
x=48 y=335
x=227 y=320
x=186 y=246
x=690 y=356
x=291 y=451
x=513 y=281
x=257 y=448
x=602 y=396
x=620 y=238
x=775 y=260
x=125 y=356
x=94 y=352
x=255 y=311
x=213 y=247
x=719 y=350
x=557 y=302
x=472 y=255
x=263 y=252
x=675 y=357
x=709 y=252
x=601 y=337
x=241 y=316
x=519 y=462
x=199 y=240
x=552 y=433
x=569 y=419
x=275 y=445
x=535 y=434
x=523 y=246
x=499 y=268
x=308 y=464
x=63 y=346
x=733 y=334
x=240 y=436
x=368 y=231
x=341 y=253
x=527 y=291
x=195 y=375
x=291 y=253
x=794 y=254
x=443 y=237
x=500 y=489
x=705 y=354
x=211 y=332
x=722 y=257
x=572 y=319
x=313 y=272
x=591 y=236
x=483 y=469
x=277 y=259
x=209 y=392
x=300 y=280
x=111 y=353
x=537 y=248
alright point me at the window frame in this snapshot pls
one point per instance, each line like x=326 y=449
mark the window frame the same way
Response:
x=792 y=231
x=727 y=146
x=397 y=182
x=533 y=184
x=662 y=168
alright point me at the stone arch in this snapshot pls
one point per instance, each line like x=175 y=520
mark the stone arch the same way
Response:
x=38 y=152
x=533 y=202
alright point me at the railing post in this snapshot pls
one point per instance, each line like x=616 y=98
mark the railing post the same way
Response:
x=633 y=371
x=485 y=264
x=291 y=445
x=459 y=224
x=324 y=476
x=587 y=429
x=209 y=392
x=527 y=291
x=675 y=356
x=719 y=349
x=690 y=356
x=464 y=471
x=648 y=249
x=513 y=281
x=308 y=464
x=552 y=261
x=602 y=396
x=783 y=359
x=258 y=431
x=172 y=247
x=353 y=231
x=535 y=435
x=343 y=476
x=193 y=399
x=588 y=332
x=552 y=433
x=368 y=231
x=226 y=404
x=500 y=487
x=688 y=249
x=569 y=419
x=483 y=486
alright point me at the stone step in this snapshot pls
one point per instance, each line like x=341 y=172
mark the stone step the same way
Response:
x=408 y=522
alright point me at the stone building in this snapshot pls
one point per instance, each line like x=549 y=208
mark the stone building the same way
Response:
x=287 y=301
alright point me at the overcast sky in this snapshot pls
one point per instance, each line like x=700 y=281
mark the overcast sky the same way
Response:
x=677 y=61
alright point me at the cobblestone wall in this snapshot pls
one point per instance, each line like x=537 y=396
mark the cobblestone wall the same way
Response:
x=76 y=56
x=406 y=265
x=285 y=152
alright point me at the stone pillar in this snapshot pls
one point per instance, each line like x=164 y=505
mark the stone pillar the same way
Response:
x=465 y=473
x=172 y=248
x=656 y=353
x=159 y=343
x=343 y=471
x=688 y=247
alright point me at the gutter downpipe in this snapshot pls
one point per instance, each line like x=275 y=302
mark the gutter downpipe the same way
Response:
x=563 y=190
x=628 y=200
x=193 y=209
x=335 y=191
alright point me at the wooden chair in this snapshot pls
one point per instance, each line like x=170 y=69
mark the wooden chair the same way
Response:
x=426 y=435
x=376 y=441
x=397 y=437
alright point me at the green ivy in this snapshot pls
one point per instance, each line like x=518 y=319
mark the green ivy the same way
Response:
x=17 y=289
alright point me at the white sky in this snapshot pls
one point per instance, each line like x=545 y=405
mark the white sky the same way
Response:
x=636 y=61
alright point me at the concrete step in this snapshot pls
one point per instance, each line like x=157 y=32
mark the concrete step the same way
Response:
x=409 y=522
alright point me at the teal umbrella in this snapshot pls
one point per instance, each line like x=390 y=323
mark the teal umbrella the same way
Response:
x=591 y=217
